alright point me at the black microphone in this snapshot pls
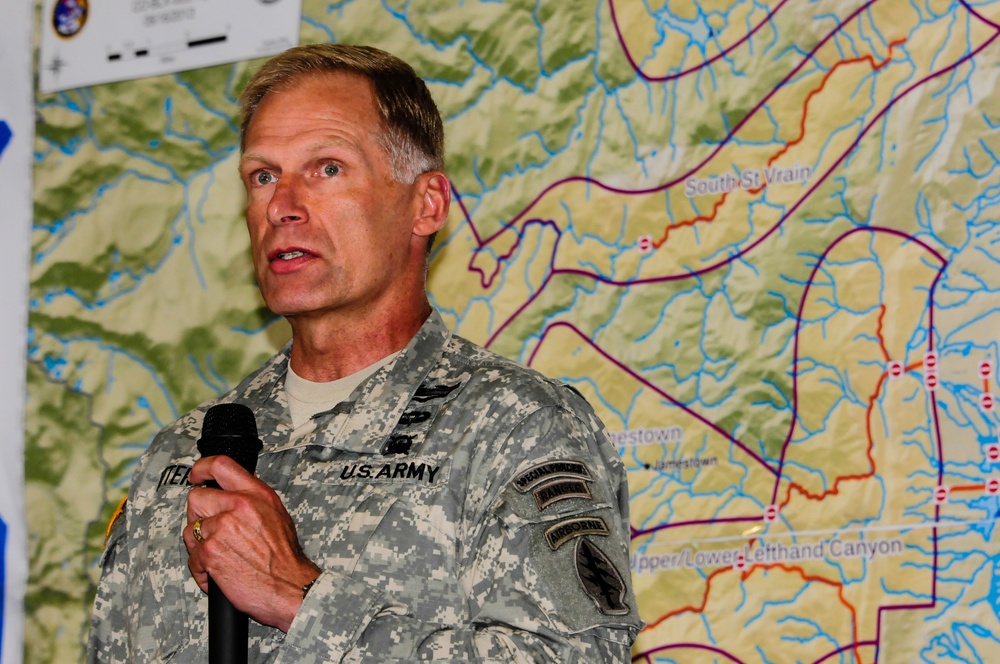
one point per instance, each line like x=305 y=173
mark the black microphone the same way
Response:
x=229 y=429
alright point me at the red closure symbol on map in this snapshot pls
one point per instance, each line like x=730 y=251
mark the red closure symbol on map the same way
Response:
x=895 y=369
x=941 y=494
x=741 y=562
x=992 y=486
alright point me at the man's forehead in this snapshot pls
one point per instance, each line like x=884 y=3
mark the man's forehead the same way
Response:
x=324 y=80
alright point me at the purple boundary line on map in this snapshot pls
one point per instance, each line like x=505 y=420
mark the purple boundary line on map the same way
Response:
x=669 y=77
x=696 y=646
x=798 y=323
x=697 y=522
x=969 y=8
x=486 y=282
x=573 y=328
x=849 y=646
x=934 y=414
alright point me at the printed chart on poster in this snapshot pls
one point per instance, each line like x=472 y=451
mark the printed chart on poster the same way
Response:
x=86 y=42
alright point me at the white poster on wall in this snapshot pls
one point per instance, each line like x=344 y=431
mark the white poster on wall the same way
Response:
x=86 y=43
x=16 y=137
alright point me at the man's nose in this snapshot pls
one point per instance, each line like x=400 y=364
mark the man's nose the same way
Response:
x=286 y=205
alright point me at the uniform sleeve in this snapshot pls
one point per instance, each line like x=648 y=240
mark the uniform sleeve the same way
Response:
x=544 y=560
x=108 y=640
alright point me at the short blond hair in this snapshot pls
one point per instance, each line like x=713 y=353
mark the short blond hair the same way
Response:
x=412 y=132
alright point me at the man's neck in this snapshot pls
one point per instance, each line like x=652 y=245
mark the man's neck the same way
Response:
x=328 y=348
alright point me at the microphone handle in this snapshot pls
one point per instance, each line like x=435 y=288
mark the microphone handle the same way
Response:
x=229 y=628
x=229 y=634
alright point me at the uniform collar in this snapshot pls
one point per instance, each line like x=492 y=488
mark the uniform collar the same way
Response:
x=364 y=422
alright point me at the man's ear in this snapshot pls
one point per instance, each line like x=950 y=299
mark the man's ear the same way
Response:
x=434 y=190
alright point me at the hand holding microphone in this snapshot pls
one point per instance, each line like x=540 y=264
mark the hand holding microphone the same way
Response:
x=248 y=544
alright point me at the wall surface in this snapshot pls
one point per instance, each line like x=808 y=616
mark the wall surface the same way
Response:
x=16 y=137
x=761 y=237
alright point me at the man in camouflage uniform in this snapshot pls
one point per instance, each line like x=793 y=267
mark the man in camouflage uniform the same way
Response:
x=435 y=502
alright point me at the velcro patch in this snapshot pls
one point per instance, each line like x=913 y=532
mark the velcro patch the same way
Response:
x=565 y=530
x=548 y=470
x=560 y=489
x=600 y=578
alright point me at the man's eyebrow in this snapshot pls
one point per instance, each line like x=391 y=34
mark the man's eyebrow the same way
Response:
x=313 y=148
x=252 y=156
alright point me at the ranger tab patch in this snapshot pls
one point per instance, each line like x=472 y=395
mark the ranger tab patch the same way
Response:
x=559 y=489
x=548 y=470
x=600 y=578
x=567 y=529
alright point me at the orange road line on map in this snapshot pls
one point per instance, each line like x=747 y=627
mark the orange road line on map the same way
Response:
x=878 y=332
x=791 y=569
x=691 y=609
x=844 y=478
x=967 y=487
x=876 y=66
x=915 y=365
x=819 y=579
x=691 y=222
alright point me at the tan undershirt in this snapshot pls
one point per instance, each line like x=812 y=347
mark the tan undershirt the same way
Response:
x=306 y=397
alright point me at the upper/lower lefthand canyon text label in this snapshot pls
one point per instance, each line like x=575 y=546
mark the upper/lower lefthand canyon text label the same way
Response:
x=750 y=178
x=770 y=553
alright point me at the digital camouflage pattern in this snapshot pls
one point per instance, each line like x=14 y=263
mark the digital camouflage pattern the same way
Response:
x=462 y=507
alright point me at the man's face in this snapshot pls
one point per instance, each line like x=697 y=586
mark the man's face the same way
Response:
x=329 y=229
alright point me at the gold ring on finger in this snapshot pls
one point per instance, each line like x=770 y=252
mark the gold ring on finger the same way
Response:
x=196 y=530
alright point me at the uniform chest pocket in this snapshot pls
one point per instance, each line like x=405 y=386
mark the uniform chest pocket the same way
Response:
x=336 y=526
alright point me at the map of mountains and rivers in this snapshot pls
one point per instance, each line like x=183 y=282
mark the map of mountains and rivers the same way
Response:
x=762 y=237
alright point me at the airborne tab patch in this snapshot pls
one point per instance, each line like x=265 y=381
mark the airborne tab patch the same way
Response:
x=547 y=470
x=567 y=529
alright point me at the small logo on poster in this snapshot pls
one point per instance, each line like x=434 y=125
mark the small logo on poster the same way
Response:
x=68 y=17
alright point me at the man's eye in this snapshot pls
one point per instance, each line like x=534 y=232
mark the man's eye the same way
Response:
x=263 y=177
x=330 y=170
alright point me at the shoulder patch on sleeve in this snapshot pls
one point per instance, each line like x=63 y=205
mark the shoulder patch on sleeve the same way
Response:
x=119 y=513
x=600 y=578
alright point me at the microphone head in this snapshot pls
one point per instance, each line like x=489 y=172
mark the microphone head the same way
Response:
x=230 y=429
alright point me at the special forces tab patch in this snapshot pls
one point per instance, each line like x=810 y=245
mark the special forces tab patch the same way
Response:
x=600 y=579
x=548 y=470
x=567 y=529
